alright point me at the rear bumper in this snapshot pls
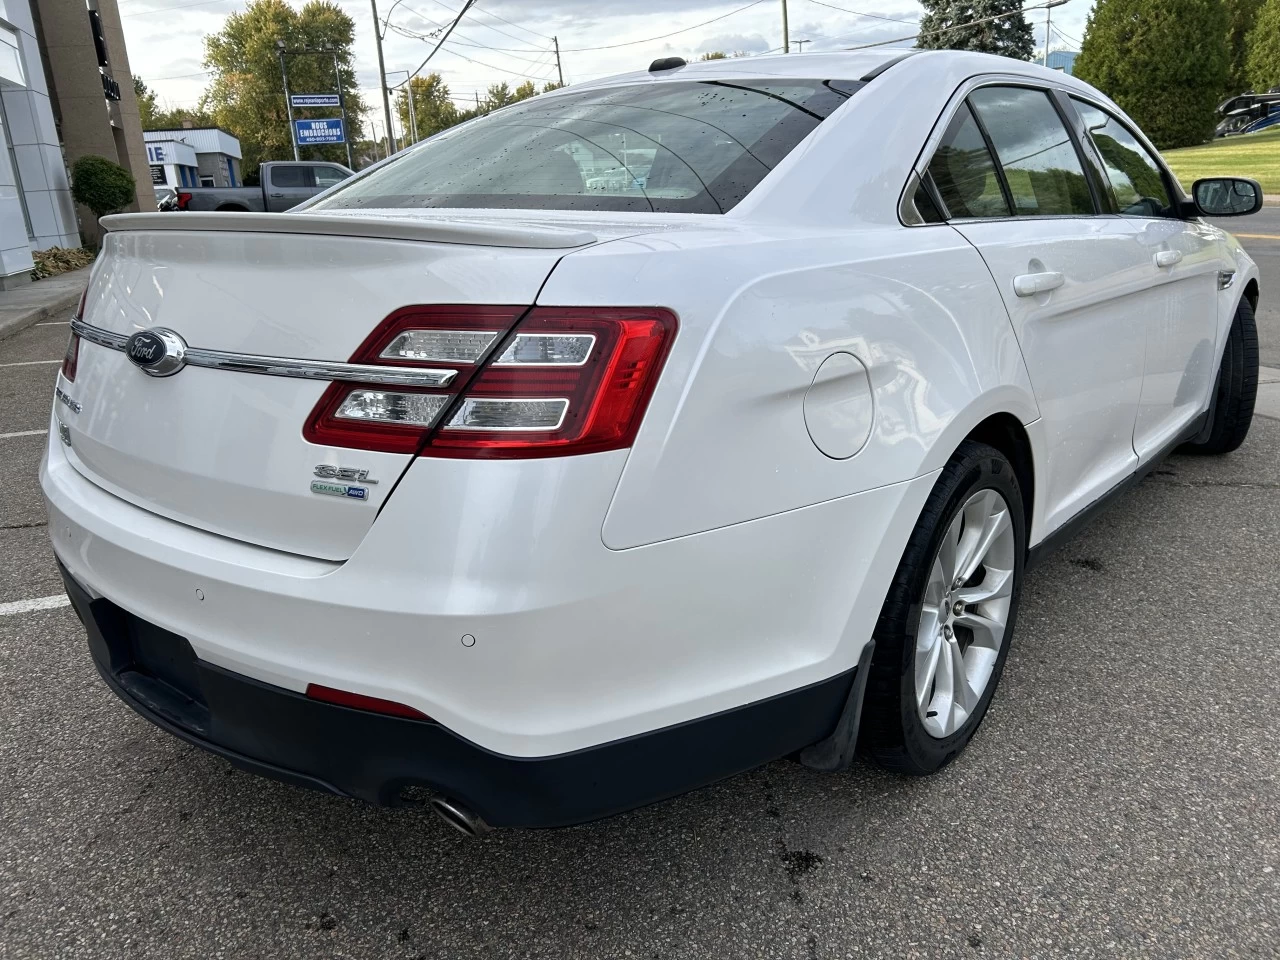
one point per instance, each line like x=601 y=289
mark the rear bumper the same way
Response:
x=283 y=735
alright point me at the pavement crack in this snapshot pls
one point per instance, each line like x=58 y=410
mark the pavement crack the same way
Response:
x=25 y=526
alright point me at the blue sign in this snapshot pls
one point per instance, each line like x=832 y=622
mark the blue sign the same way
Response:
x=314 y=99
x=319 y=131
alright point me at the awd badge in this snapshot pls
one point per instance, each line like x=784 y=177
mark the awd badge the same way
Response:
x=345 y=490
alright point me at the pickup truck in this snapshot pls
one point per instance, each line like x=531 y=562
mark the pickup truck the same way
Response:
x=284 y=184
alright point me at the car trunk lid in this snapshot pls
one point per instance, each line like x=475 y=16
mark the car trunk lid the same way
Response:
x=222 y=449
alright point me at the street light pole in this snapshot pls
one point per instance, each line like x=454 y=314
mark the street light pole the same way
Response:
x=786 y=32
x=288 y=104
x=1048 y=7
x=382 y=72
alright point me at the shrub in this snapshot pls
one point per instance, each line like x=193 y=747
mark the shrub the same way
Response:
x=102 y=186
x=1164 y=61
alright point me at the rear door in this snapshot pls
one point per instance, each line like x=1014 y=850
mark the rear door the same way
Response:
x=224 y=450
x=1184 y=260
x=1076 y=285
x=290 y=184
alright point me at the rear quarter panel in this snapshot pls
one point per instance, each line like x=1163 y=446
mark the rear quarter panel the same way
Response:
x=725 y=440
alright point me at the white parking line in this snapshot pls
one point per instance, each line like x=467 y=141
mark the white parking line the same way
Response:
x=37 y=603
x=22 y=433
x=53 y=323
x=28 y=363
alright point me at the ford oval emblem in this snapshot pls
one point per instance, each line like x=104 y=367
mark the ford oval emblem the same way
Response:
x=157 y=353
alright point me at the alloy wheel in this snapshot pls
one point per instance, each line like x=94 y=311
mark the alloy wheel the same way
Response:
x=963 y=613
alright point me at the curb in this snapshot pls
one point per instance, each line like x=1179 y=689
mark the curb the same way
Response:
x=45 y=303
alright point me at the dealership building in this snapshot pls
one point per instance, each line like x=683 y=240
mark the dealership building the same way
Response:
x=193 y=157
x=65 y=92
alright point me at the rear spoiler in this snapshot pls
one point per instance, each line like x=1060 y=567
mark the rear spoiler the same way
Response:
x=427 y=229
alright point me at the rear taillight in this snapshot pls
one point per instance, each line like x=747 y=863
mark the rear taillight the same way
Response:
x=72 y=357
x=183 y=200
x=565 y=380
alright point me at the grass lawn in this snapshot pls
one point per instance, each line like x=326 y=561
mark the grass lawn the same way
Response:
x=1255 y=155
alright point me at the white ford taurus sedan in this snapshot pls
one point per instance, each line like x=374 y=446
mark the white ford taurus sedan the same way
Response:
x=639 y=433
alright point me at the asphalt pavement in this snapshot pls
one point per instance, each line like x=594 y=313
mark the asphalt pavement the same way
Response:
x=1122 y=798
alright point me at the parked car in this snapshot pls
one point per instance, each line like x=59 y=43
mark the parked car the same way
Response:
x=555 y=499
x=1248 y=113
x=283 y=184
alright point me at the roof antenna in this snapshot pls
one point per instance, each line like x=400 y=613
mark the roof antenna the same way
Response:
x=667 y=63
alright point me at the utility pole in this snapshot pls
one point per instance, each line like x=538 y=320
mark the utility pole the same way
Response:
x=786 y=32
x=559 y=72
x=342 y=107
x=412 y=134
x=1048 y=7
x=288 y=104
x=800 y=44
x=382 y=71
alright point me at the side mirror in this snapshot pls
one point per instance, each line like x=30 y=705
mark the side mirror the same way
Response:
x=1226 y=196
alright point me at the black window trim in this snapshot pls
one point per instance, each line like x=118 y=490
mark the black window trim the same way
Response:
x=1183 y=208
x=960 y=97
x=1010 y=209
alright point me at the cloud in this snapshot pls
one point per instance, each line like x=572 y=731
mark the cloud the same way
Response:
x=733 y=43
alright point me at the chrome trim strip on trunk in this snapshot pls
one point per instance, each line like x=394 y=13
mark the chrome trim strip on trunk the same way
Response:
x=284 y=366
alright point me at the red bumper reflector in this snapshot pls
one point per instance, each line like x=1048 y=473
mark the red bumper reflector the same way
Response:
x=358 y=701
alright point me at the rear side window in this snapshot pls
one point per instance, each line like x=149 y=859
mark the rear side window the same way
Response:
x=964 y=173
x=1134 y=176
x=1035 y=150
x=298 y=176
x=678 y=146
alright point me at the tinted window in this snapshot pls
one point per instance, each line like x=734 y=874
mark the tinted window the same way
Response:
x=328 y=176
x=964 y=173
x=695 y=147
x=291 y=177
x=1039 y=160
x=1133 y=173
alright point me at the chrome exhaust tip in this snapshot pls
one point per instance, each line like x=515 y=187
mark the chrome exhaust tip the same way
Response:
x=459 y=817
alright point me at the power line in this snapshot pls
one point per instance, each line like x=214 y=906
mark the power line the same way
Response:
x=873 y=16
x=180 y=6
x=1066 y=36
x=470 y=41
x=461 y=13
x=487 y=26
x=516 y=25
x=632 y=43
x=954 y=26
x=489 y=66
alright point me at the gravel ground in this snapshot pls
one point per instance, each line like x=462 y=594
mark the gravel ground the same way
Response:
x=1120 y=800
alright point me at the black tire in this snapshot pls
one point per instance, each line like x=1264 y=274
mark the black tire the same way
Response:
x=1236 y=389
x=893 y=734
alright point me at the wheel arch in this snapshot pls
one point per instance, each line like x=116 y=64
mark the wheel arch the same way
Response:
x=1006 y=433
x=1251 y=292
x=231 y=208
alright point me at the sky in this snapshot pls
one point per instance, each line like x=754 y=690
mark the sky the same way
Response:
x=510 y=40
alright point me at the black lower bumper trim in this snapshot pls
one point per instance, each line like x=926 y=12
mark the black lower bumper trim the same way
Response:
x=286 y=736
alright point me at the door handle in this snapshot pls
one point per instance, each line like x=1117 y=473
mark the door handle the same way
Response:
x=1167 y=258
x=1029 y=284
x=277 y=195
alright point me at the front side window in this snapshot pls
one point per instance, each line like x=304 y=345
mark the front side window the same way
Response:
x=678 y=146
x=964 y=173
x=327 y=176
x=1134 y=175
x=1035 y=150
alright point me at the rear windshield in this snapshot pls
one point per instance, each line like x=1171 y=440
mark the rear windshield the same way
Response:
x=680 y=147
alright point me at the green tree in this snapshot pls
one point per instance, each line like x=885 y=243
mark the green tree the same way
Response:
x=432 y=108
x=1241 y=17
x=1163 y=61
x=147 y=108
x=246 y=97
x=1263 y=61
x=953 y=25
x=101 y=184
x=714 y=55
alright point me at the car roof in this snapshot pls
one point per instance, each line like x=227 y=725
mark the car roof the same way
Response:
x=837 y=65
